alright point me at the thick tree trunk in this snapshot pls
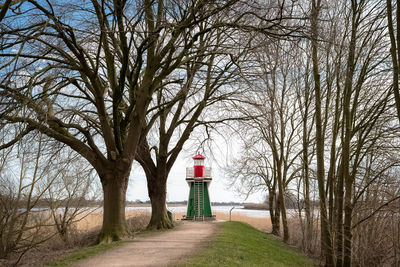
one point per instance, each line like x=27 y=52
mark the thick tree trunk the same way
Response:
x=275 y=216
x=283 y=211
x=114 y=189
x=156 y=175
x=285 y=224
x=158 y=193
x=348 y=129
x=326 y=244
x=339 y=220
x=394 y=50
x=336 y=205
x=309 y=217
x=348 y=210
x=306 y=179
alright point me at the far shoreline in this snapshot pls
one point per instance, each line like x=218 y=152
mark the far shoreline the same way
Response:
x=246 y=206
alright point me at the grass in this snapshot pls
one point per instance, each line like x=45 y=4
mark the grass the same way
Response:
x=239 y=244
x=83 y=254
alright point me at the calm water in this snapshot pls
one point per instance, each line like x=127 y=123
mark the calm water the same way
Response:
x=225 y=209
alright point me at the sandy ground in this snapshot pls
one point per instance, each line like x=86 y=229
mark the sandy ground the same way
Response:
x=159 y=249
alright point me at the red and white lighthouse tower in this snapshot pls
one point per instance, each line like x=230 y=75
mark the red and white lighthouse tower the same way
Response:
x=199 y=178
x=198 y=165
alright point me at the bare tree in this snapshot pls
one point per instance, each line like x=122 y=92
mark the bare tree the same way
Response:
x=326 y=244
x=8 y=4
x=22 y=226
x=270 y=136
x=359 y=45
x=88 y=82
x=393 y=27
x=305 y=96
x=208 y=80
x=73 y=192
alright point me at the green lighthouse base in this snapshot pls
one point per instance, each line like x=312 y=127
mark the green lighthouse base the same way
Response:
x=199 y=206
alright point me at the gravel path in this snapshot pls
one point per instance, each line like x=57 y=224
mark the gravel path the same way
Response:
x=156 y=250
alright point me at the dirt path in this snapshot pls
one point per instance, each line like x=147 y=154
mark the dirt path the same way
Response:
x=158 y=250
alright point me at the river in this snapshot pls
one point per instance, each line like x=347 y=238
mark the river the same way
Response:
x=225 y=209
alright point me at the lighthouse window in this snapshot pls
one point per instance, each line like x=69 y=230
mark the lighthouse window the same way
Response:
x=198 y=162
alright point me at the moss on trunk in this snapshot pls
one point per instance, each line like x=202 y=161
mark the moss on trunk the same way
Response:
x=114 y=224
x=159 y=217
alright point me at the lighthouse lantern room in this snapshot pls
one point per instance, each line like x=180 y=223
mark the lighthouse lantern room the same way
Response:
x=198 y=178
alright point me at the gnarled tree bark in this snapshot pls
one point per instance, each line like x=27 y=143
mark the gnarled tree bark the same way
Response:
x=114 y=183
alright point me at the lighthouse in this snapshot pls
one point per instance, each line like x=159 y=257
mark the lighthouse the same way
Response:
x=198 y=178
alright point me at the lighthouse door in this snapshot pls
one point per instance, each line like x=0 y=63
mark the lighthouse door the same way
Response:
x=198 y=199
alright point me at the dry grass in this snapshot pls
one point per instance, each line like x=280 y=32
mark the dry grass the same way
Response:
x=297 y=238
x=84 y=233
x=95 y=220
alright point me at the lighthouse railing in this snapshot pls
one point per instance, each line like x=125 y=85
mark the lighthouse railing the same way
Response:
x=207 y=172
x=190 y=172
